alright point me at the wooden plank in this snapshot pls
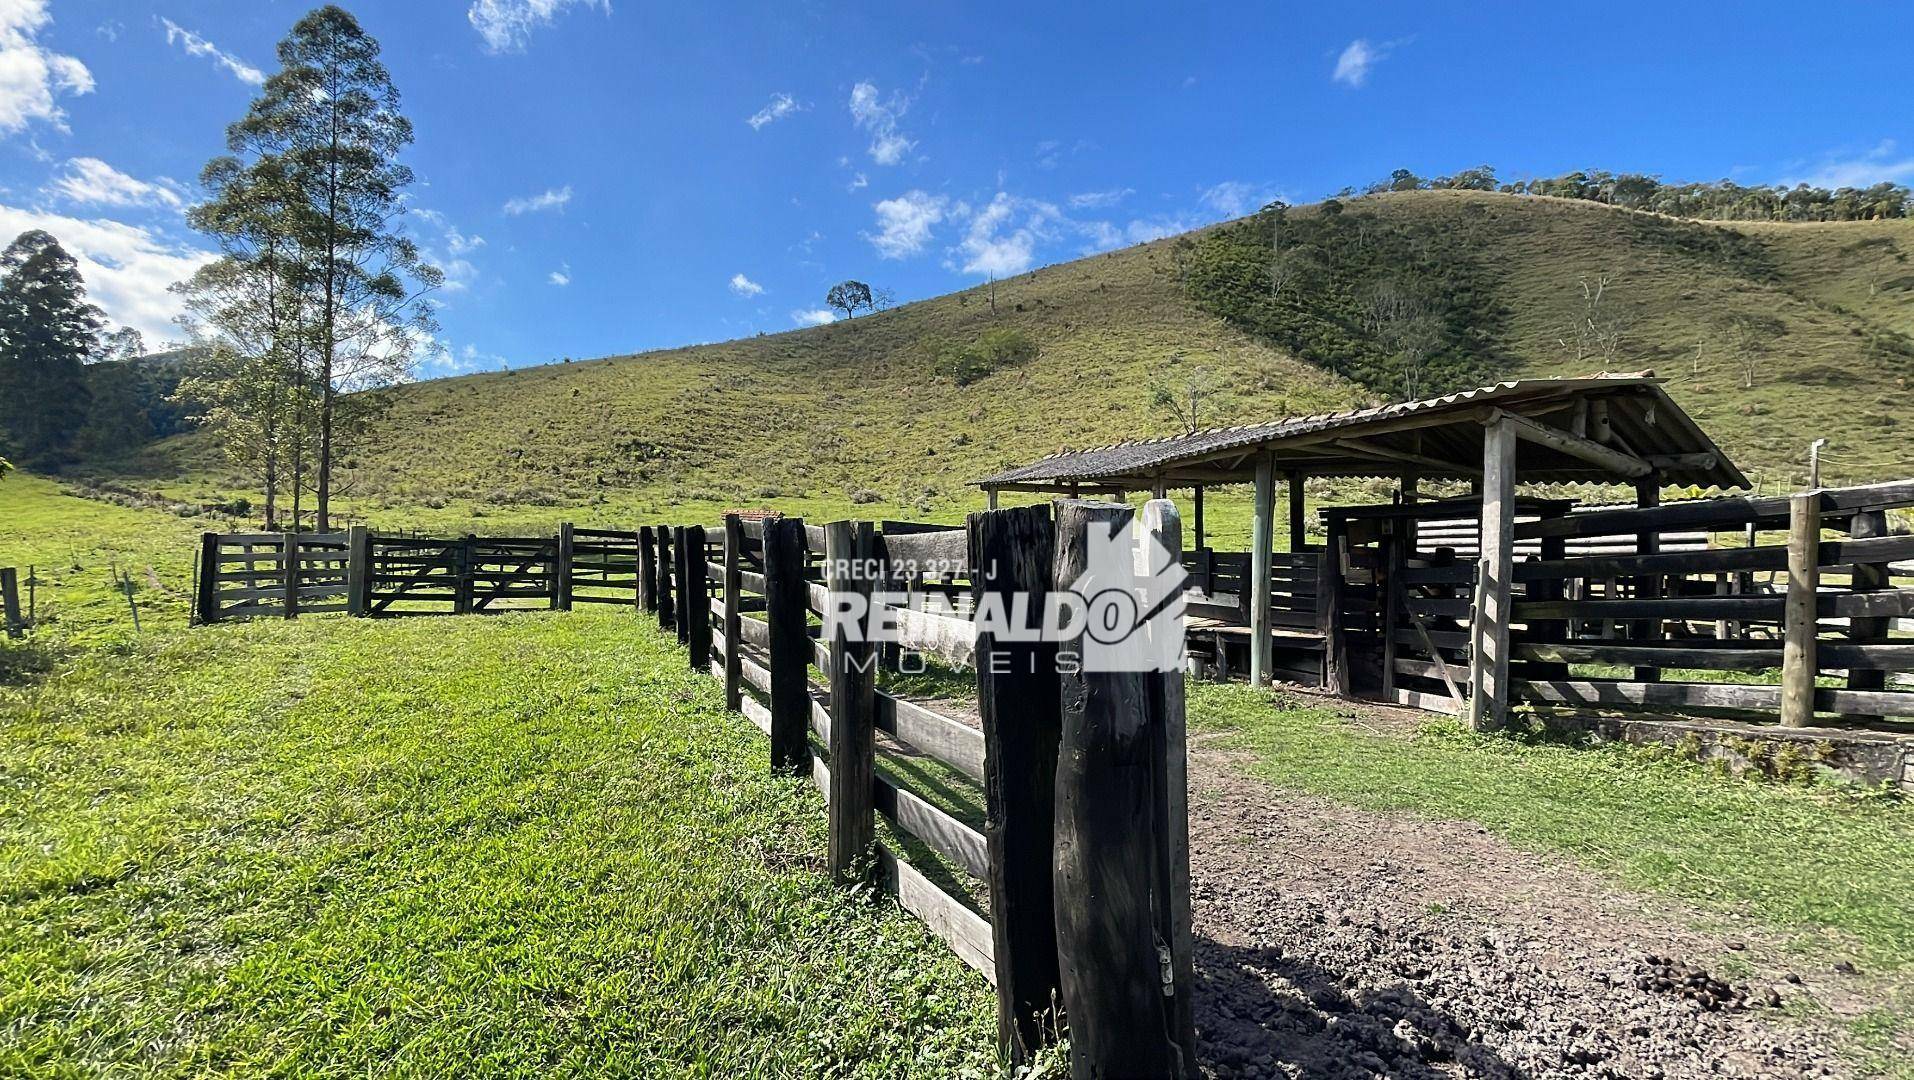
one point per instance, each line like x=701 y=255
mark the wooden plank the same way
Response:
x=1416 y=699
x=848 y=545
x=1017 y=699
x=755 y=712
x=751 y=581
x=754 y=674
x=936 y=829
x=790 y=644
x=1575 y=446
x=931 y=733
x=966 y=932
x=1864 y=577
x=948 y=637
x=941 y=553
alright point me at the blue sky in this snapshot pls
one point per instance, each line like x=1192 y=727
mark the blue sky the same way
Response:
x=600 y=177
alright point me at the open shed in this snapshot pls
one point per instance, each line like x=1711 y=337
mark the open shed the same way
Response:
x=1602 y=429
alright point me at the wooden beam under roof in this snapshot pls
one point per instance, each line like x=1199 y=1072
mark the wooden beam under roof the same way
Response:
x=1621 y=464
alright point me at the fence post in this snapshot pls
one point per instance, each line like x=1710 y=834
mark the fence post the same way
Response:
x=647 y=571
x=1647 y=586
x=1011 y=555
x=1329 y=600
x=848 y=549
x=785 y=597
x=682 y=557
x=10 y=601
x=208 y=599
x=1170 y=756
x=667 y=608
x=289 y=572
x=462 y=587
x=1800 y=626
x=733 y=585
x=1109 y=816
x=697 y=600
x=562 y=569
x=358 y=570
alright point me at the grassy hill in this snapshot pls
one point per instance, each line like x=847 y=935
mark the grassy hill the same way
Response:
x=855 y=415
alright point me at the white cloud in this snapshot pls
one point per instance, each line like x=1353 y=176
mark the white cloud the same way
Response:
x=814 y=317
x=449 y=250
x=31 y=77
x=744 y=286
x=90 y=181
x=858 y=182
x=1002 y=238
x=506 y=25
x=1239 y=198
x=779 y=107
x=199 y=46
x=1352 y=67
x=904 y=223
x=1883 y=164
x=127 y=269
x=561 y=276
x=1098 y=200
x=550 y=199
x=879 y=119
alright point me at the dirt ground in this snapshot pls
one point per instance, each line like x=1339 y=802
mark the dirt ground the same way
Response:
x=1334 y=942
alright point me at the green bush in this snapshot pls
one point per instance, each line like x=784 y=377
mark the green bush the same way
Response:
x=993 y=349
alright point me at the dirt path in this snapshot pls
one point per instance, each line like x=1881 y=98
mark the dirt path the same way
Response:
x=1334 y=942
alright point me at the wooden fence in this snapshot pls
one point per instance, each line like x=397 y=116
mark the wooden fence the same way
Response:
x=241 y=575
x=1083 y=847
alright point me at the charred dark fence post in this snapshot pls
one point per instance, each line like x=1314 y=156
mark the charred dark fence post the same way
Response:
x=358 y=570
x=848 y=550
x=1169 y=751
x=465 y=559
x=667 y=607
x=733 y=587
x=208 y=599
x=10 y=602
x=562 y=569
x=288 y=573
x=682 y=558
x=697 y=600
x=647 y=571
x=1868 y=577
x=1011 y=556
x=1109 y=820
x=785 y=596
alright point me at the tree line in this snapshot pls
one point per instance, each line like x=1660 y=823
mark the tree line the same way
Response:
x=1717 y=200
x=315 y=293
x=71 y=388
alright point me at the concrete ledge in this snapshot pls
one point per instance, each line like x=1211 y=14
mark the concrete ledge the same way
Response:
x=1865 y=757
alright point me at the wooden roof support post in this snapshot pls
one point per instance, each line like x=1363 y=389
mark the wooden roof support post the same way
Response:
x=1647 y=587
x=1489 y=621
x=1261 y=537
x=990 y=498
x=1799 y=627
x=1298 y=513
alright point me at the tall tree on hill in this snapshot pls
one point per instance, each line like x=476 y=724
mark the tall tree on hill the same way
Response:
x=47 y=331
x=250 y=310
x=328 y=126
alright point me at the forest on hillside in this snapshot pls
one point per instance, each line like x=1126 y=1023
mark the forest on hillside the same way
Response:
x=1715 y=200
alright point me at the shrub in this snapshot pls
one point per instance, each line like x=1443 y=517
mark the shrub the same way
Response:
x=993 y=349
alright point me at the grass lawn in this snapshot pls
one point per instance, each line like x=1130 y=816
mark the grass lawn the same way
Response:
x=520 y=844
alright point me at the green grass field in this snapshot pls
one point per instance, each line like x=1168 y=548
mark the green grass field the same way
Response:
x=536 y=843
x=514 y=845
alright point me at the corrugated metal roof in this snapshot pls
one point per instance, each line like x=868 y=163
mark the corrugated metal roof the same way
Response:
x=1668 y=430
